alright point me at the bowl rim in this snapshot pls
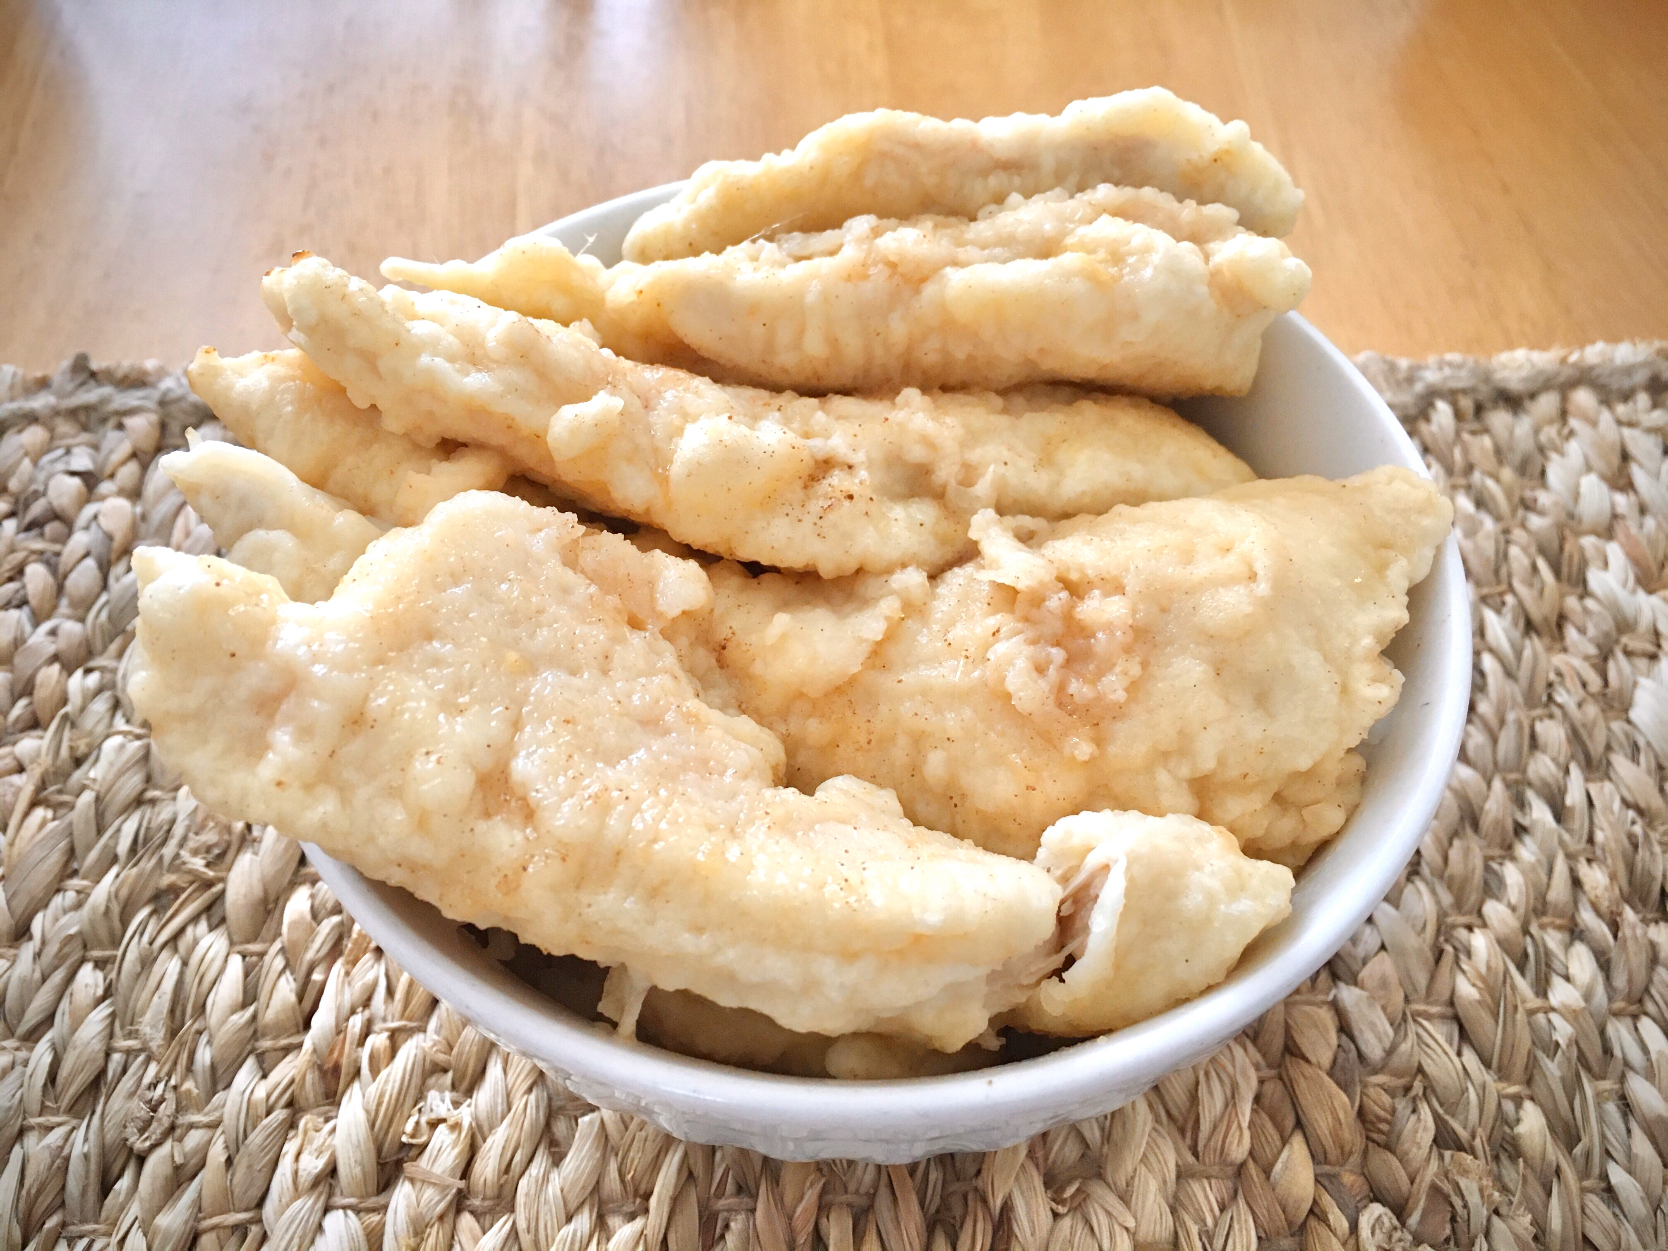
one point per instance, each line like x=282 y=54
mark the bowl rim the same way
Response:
x=708 y=1094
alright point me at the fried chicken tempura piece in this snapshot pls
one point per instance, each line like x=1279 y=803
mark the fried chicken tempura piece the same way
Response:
x=471 y=718
x=269 y=520
x=1122 y=287
x=278 y=403
x=894 y=164
x=1218 y=657
x=835 y=485
x=1156 y=910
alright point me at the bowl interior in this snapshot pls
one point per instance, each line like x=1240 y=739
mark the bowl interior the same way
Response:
x=1310 y=411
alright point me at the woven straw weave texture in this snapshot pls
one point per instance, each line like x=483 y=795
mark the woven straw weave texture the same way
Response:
x=198 y=1047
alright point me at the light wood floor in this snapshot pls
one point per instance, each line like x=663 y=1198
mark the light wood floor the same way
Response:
x=1482 y=174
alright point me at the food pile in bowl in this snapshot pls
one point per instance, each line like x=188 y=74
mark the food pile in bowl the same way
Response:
x=812 y=631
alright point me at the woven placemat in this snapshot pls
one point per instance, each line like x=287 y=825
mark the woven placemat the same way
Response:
x=197 y=1044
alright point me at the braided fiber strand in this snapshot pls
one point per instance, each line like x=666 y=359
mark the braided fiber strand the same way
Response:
x=198 y=1047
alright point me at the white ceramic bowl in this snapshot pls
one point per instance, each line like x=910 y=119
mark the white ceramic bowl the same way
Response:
x=1309 y=412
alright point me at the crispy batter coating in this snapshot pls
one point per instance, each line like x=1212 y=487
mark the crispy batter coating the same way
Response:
x=1218 y=657
x=835 y=485
x=532 y=275
x=279 y=404
x=269 y=520
x=894 y=164
x=470 y=717
x=1154 y=910
x=1048 y=701
x=1116 y=286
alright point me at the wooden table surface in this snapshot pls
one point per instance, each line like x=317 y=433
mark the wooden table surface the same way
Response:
x=1482 y=174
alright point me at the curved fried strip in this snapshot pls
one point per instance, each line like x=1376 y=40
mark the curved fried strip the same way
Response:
x=1218 y=657
x=1123 y=287
x=1157 y=909
x=893 y=164
x=531 y=274
x=1056 y=289
x=309 y=540
x=280 y=404
x=471 y=718
x=835 y=485
x=269 y=520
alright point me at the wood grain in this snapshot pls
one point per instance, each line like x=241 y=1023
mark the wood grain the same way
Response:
x=1482 y=174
